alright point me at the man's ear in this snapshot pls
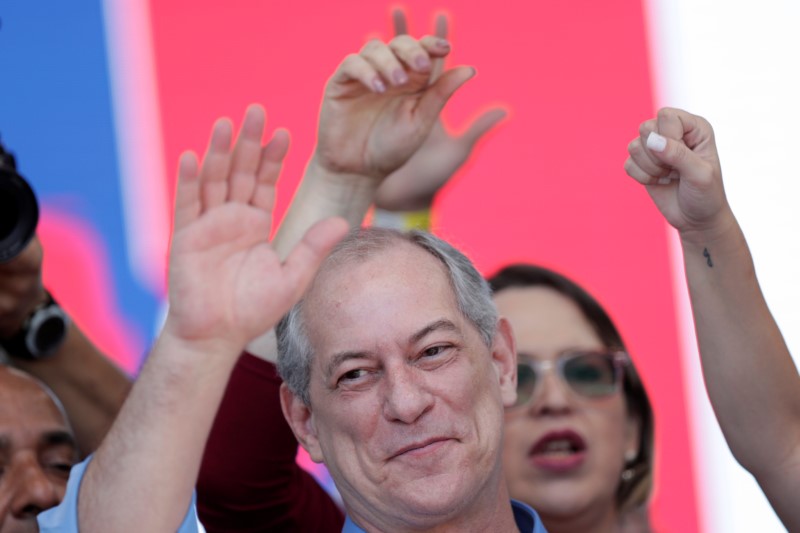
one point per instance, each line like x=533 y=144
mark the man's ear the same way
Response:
x=504 y=357
x=301 y=420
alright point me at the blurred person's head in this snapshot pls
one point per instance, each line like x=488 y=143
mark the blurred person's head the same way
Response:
x=579 y=440
x=397 y=372
x=37 y=451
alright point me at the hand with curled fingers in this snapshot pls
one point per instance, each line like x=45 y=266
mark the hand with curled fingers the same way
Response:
x=414 y=185
x=380 y=105
x=21 y=289
x=675 y=157
x=226 y=283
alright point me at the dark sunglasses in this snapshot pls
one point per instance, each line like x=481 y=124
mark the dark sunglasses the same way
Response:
x=590 y=374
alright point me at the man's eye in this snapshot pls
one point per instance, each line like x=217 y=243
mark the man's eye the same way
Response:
x=434 y=351
x=352 y=375
x=60 y=466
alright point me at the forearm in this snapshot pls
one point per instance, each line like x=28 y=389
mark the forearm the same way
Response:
x=142 y=477
x=751 y=378
x=321 y=194
x=90 y=386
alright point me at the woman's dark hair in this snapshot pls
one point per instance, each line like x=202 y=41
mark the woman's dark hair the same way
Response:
x=637 y=479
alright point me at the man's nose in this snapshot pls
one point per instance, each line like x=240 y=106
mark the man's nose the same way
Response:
x=406 y=398
x=34 y=491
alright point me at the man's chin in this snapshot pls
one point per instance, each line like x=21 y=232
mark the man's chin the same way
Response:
x=433 y=498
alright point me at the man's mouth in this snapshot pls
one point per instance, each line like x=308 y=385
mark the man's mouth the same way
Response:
x=421 y=448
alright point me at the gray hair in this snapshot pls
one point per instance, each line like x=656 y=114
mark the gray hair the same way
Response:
x=472 y=292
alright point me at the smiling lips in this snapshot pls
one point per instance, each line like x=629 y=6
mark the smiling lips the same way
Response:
x=422 y=448
x=559 y=451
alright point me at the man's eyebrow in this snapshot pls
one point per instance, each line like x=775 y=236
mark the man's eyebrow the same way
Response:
x=438 y=325
x=340 y=358
x=58 y=437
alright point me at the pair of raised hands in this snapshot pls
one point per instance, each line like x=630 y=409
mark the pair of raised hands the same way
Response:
x=379 y=121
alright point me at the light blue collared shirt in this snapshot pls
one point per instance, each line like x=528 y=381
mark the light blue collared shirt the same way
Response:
x=64 y=517
x=526 y=518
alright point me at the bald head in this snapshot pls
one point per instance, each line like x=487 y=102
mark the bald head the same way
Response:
x=37 y=450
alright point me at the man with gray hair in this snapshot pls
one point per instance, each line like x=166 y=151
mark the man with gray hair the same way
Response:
x=407 y=377
x=396 y=372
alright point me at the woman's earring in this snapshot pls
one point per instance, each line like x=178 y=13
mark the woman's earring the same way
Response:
x=629 y=472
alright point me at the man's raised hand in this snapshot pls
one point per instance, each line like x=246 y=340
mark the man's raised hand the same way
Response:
x=414 y=185
x=227 y=285
x=380 y=105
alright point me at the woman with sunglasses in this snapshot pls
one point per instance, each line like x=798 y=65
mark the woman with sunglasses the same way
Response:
x=579 y=441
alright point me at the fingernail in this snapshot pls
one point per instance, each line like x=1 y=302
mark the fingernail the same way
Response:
x=422 y=62
x=399 y=77
x=656 y=142
x=663 y=181
x=379 y=86
x=442 y=43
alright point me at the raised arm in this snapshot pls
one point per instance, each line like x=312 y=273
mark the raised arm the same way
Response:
x=226 y=285
x=751 y=378
x=378 y=109
x=90 y=386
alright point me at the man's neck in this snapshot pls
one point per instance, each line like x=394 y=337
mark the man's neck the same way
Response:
x=493 y=513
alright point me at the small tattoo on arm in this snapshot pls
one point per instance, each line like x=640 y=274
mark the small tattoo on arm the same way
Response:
x=707 y=255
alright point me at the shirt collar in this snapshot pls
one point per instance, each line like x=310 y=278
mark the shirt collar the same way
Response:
x=525 y=517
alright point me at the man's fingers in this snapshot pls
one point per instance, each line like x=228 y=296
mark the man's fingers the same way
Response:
x=441 y=26
x=187 y=193
x=216 y=165
x=356 y=68
x=246 y=155
x=435 y=46
x=269 y=170
x=481 y=125
x=386 y=60
x=305 y=258
x=441 y=33
x=399 y=22
x=412 y=53
x=436 y=96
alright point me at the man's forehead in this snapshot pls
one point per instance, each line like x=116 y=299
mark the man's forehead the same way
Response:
x=390 y=258
x=405 y=264
x=23 y=397
x=404 y=285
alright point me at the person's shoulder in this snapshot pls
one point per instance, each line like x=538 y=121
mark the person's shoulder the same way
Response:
x=63 y=518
